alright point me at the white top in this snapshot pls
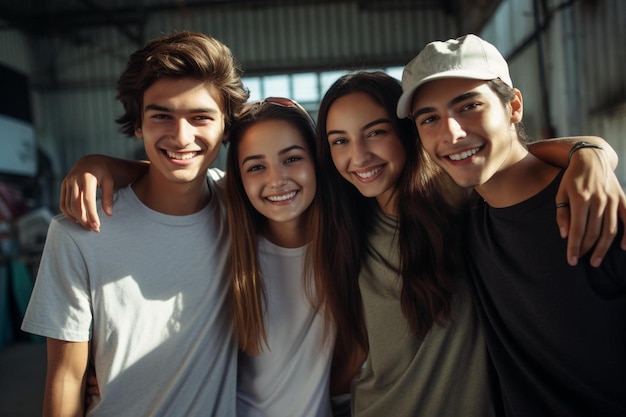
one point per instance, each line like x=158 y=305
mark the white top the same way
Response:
x=150 y=293
x=292 y=377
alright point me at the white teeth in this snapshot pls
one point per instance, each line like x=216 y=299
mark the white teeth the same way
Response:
x=283 y=197
x=464 y=154
x=368 y=174
x=181 y=155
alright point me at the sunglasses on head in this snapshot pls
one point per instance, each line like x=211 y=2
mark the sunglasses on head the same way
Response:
x=277 y=101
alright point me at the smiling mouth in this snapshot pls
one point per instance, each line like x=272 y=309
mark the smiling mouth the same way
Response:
x=282 y=197
x=181 y=156
x=368 y=174
x=464 y=155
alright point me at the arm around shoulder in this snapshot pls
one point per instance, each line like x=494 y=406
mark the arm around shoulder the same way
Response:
x=591 y=199
x=80 y=185
x=558 y=151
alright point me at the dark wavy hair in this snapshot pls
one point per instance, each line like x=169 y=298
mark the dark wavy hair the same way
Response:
x=184 y=54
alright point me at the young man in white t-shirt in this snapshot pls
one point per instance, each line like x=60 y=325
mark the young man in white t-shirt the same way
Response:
x=146 y=299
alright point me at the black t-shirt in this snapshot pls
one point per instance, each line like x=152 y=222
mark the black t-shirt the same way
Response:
x=556 y=333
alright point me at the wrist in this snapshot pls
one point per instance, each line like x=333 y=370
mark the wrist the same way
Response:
x=581 y=145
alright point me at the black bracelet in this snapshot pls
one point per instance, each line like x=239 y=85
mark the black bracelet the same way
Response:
x=580 y=145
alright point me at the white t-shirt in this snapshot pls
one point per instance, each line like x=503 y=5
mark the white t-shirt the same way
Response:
x=150 y=291
x=291 y=378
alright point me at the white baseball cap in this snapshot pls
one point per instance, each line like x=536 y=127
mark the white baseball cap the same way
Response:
x=466 y=57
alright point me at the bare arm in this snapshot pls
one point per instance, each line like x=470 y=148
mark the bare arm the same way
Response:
x=596 y=199
x=79 y=187
x=556 y=151
x=65 y=379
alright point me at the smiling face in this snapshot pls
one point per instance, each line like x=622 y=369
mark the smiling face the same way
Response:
x=467 y=130
x=182 y=128
x=277 y=171
x=364 y=147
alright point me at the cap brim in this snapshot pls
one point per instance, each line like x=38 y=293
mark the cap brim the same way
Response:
x=406 y=99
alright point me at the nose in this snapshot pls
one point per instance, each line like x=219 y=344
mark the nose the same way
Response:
x=360 y=153
x=277 y=177
x=453 y=130
x=183 y=132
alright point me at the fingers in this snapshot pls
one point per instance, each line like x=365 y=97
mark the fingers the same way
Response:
x=571 y=217
x=78 y=200
x=89 y=205
x=107 y=195
x=576 y=231
x=609 y=231
x=562 y=216
x=594 y=225
x=596 y=209
x=597 y=204
x=80 y=187
x=65 y=199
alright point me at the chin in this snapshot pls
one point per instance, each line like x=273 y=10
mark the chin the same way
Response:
x=465 y=183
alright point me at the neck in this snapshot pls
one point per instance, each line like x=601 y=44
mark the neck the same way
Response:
x=388 y=204
x=176 y=199
x=517 y=182
x=286 y=234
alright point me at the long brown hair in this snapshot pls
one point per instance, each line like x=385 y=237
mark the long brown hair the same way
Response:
x=246 y=224
x=425 y=215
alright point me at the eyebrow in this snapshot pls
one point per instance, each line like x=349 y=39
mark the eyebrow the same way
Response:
x=455 y=100
x=281 y=152
x=156 y=107
x=367 y=126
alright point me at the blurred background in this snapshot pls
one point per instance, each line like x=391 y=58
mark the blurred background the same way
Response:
x=60 y=59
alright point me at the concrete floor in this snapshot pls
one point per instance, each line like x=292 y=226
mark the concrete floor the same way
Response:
x=22 y=378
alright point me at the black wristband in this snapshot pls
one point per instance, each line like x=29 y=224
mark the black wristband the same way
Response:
x=580 y=145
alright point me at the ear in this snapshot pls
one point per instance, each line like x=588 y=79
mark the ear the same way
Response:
x=138 y=132
x=517 y=107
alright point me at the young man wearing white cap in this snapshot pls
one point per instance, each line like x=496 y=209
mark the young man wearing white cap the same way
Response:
x=556 y=332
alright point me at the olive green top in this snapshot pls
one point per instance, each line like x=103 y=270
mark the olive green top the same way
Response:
x=446 y=374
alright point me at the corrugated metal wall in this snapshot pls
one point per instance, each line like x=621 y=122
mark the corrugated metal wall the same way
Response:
x=14 y=51
x=600 y=38
x=74 y=78
x=584 y=56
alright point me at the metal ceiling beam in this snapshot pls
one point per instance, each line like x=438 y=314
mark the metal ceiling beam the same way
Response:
x=130 y=19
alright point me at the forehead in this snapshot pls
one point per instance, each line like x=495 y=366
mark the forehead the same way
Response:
x=270 y=136
x=189 y=90
x=353 y=109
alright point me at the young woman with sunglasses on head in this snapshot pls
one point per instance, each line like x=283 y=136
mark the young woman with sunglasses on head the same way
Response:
x=390 y=270
x=284 y=364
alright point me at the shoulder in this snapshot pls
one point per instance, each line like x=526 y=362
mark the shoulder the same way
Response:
x=215 y=174
x=217 y=184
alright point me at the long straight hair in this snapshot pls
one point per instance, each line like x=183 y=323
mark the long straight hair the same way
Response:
x=426 y=211
x=246 y=224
